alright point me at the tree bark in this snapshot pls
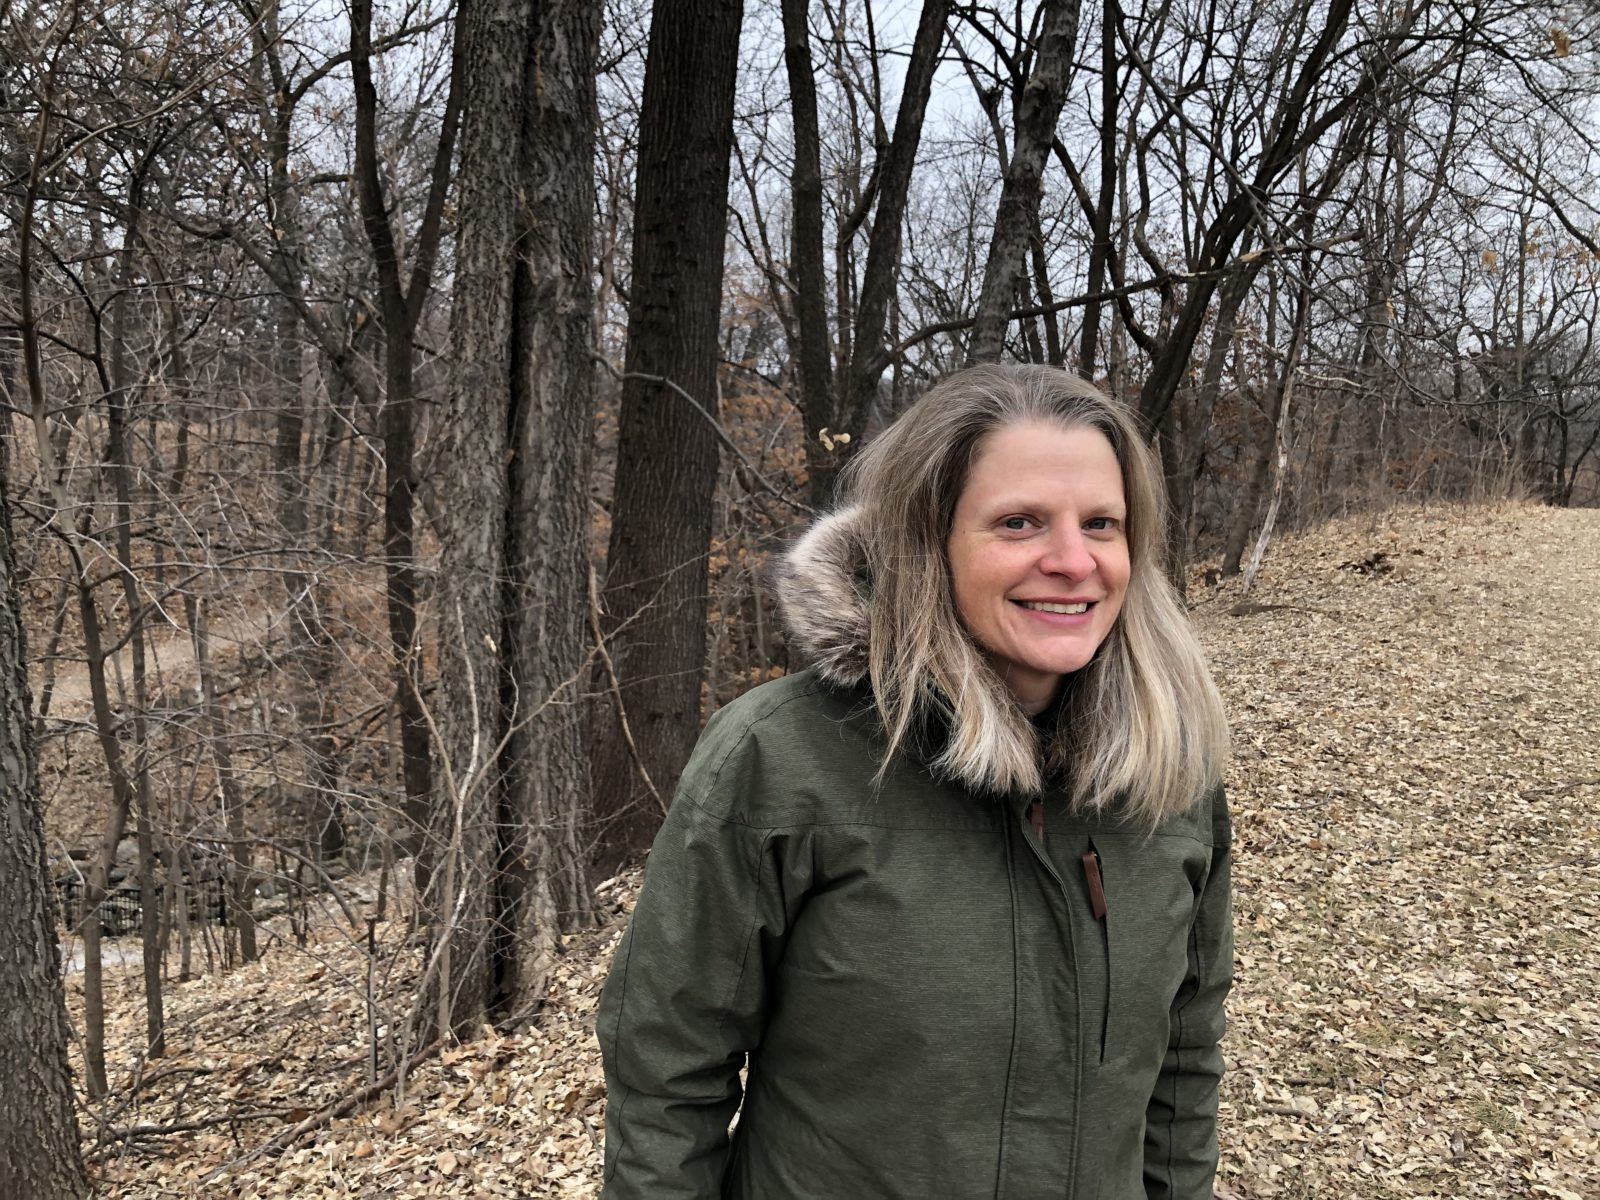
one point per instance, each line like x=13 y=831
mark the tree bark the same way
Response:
x=1291 y=363
x=841 y=403
x=1183 y=436
x=1258 y=453
x=241 y=877
x=1249 y=499
x=38 y=1127
x=545 y=800
x=667 y=453
x=869 y=358
x=514 y=564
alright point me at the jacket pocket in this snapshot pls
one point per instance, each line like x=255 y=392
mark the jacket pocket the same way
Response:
x=1146 y=919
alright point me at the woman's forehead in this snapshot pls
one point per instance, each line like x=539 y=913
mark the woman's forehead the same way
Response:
x=1028 y=456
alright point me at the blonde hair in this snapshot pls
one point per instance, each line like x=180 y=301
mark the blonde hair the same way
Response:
x=1141 y=726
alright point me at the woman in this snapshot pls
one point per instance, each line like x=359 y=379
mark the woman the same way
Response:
x=960 y=890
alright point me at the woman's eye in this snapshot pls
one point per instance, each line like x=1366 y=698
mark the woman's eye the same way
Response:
x=1015 y=524
x=1101 y=523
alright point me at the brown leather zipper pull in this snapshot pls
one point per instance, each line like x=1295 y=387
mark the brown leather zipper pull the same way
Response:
x=1097 y=891
x=1036 y=818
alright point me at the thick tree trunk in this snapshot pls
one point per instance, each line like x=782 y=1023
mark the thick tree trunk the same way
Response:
x=513 y=630
x=1183 y=436
x=470 y=637
x=545 y=799
x=38 y=1127
x=1037 y=108
x=667 y=453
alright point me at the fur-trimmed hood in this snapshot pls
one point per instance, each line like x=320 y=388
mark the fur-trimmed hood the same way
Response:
x=975 y=730
x=824 y=590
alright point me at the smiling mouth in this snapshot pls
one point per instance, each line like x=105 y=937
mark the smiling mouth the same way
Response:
x=1045 y=606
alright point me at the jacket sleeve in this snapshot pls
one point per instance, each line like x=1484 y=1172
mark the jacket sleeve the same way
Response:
x=687 y=994
x=1180 y=1145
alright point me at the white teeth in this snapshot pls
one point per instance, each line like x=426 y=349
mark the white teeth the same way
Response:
x=1040 y=606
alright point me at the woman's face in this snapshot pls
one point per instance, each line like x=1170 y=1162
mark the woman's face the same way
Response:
x=1039 y=553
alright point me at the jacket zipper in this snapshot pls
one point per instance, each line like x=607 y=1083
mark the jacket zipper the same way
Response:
x=1036 y=843
x=1095 y=882
x=1091 y=863
x=1097 y=905
x=1097 y=889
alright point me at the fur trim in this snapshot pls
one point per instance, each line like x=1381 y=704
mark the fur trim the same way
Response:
x=823 y=590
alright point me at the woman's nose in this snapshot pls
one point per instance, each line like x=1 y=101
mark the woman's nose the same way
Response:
x=1068 y=554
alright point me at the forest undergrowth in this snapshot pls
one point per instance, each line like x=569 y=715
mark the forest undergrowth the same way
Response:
x=1416 y=794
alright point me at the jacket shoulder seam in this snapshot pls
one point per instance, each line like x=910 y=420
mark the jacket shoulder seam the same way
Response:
x=743 y=736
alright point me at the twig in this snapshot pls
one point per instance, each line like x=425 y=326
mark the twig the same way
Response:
x=716 y=427
x=1562 y=789
x=152 y=1080
x=128 y=1134
x=616 y=688
x=1249 y=608
x=317 y=1120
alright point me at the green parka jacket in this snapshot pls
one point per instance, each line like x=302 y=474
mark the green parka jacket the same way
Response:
x=939 y=993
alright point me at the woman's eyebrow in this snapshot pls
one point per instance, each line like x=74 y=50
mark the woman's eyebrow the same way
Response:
x=1023 y=504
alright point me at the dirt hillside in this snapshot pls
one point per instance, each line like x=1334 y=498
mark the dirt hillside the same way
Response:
x=1416 y=794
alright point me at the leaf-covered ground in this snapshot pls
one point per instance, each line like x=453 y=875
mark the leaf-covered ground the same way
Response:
x=1416 y=791
x=1417 y=783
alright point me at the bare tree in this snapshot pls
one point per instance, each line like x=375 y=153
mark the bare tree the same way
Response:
x=1036 y=109
x=402 y=308
x=512 y=621
x=667 y=451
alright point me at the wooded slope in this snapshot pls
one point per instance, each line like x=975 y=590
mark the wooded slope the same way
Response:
x=1416 y=792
